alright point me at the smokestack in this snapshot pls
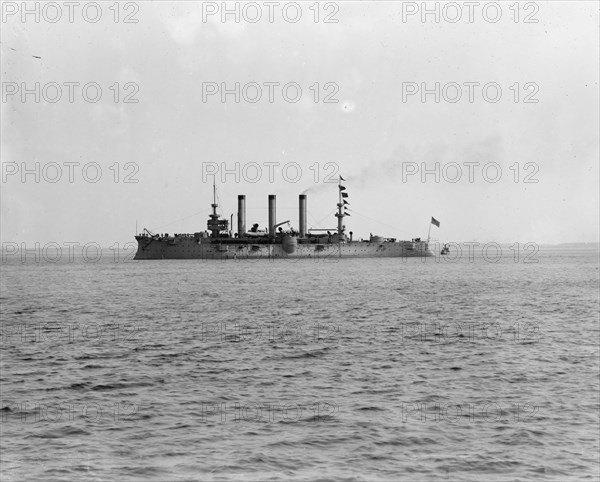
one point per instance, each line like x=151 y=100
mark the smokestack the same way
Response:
x=302 y=215
x=241 y=215
x=272 y=221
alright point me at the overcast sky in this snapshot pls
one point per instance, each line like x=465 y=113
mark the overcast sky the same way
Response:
x=376 y=135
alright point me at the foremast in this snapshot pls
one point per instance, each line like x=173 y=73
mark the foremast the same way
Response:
x=214 y=224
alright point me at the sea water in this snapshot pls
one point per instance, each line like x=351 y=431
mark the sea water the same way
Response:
x=462 y=368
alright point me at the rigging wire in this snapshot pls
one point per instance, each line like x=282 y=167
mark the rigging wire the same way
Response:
x=178 y=220
x=376 y=220
x=318 y=223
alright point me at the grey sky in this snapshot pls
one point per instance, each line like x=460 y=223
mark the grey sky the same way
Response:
x=372 y=134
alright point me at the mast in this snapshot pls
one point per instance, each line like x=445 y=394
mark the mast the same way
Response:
x=213 y=223
x=340 y=205
x=214 y=204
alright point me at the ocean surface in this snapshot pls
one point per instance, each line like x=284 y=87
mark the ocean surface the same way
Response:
x=364 y=369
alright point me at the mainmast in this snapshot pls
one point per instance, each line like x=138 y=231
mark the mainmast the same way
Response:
x=340 y=214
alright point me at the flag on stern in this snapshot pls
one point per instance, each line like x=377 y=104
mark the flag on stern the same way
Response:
x=435 y=221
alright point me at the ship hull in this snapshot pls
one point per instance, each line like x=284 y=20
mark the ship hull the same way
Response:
x=206 y=248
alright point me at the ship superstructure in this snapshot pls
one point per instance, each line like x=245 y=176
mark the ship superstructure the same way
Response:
x=218 y=241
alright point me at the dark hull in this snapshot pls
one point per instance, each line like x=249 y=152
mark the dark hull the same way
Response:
x=188 y=247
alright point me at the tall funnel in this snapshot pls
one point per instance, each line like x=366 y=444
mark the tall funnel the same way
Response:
x=302 y=215
x=272 y=221
x=241 y=215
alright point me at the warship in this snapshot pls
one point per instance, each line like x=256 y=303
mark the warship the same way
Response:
x=218 y=241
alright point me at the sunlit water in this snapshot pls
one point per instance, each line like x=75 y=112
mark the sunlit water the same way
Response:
x=362 y=369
